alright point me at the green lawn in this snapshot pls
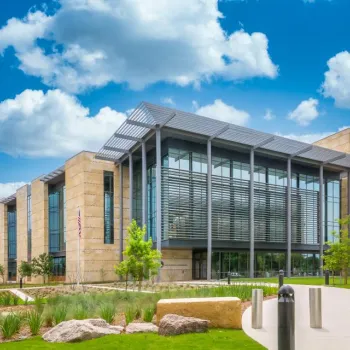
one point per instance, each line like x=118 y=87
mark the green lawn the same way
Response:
x=315 y=281
x=214 y=340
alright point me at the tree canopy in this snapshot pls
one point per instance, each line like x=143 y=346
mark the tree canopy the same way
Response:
x=140 y=259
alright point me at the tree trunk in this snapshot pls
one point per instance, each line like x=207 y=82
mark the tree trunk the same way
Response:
x=126 y=282
x=345 y=275
x=140 y=281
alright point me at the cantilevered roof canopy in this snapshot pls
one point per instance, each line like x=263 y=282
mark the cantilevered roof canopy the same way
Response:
x=53 y=174
x=147 y=117
x=9 y=199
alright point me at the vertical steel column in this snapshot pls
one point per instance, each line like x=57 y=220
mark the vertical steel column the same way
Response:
x=121 y=233
x=131 y=183
x=289 y=217
x=251 y=214
x=158 y=190
x=144 y=184
x=209 y=199
x=321 y=224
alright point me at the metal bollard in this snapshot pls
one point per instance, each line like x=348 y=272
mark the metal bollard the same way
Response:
x=286 y=318
x=280 y=278
x=326 y=277
x=21 y=283
x=315 y=306
x=257 y=308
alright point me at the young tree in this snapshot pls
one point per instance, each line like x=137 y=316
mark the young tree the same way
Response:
x=25 y=269
x=2 y=273
x=140 y=260
x=337 y=256
x=123 y=271
x=43 y=266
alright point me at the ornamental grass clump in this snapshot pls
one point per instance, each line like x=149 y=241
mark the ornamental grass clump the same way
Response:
x=34 y=321
x=148 y=313
x=80 y=312
x=60 y=314
x=10 y=325
x=130 y=314
x=6 y=299
x=15 y=299
x=107 y=312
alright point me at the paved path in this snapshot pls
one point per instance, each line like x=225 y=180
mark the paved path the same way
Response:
x=21 y=295
x=335 y=333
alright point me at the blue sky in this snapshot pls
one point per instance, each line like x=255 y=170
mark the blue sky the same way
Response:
x=71 y=70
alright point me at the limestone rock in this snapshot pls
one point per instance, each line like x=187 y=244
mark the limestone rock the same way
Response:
x=79 y=330
x=141 y=328
x=173 y=325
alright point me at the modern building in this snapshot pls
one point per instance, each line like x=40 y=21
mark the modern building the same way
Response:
x=256 y=209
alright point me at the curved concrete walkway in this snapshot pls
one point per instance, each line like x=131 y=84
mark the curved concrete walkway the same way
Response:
x=335 y=333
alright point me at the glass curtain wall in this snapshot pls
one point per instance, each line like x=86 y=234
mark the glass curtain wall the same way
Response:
x=108 y=184
x=184 y=201
x=12 y=242
x=57 y=226
x=237 y=264
x=332 y=209
x=137 y=194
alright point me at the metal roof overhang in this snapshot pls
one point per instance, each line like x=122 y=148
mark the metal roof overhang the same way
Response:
x=53 y=175
x=9 y=200
x=142 y=123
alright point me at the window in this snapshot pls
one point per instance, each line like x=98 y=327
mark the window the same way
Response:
x=59 y=266
x=57 y=219
x=12 y=242
x=29 y=227
x=108 y=184
x=332 y=209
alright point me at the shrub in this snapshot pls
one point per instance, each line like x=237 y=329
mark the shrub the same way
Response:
x=34 y=321
x=80 y=312
x=10 y=325
x=107 y=312
x=60 y=314
x=148 y=313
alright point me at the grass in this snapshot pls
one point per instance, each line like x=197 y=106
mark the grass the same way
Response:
x=312 y=281
x=214 y=340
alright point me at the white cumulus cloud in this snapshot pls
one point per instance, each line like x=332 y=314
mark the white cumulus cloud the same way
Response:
x=269 y=115
x=312 y=137
x=337 y=79
x=52 y=124
x=169 y=101
x=305 y=112
x=9 y=188
x=226 y=113
x=91 y=43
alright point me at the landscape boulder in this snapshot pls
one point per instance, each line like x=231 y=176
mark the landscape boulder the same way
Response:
x=173 y=325
x=79 y=330
x=141 y=328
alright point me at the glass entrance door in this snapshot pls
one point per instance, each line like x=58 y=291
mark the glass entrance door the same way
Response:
x=200 y=266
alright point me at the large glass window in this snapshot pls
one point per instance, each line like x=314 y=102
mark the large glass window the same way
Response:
x=332 y=209
x=108 y=184
x=29 y=227
x=12 y=242
x=137 y=195
x=57 y=219
x=59 y=266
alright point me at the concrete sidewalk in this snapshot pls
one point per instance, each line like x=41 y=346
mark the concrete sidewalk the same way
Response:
x=335 y=333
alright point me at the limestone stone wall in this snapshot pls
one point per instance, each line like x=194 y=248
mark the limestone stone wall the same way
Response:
x=339 y=141
x=22 y=225
x=221 y=312
x=40 y=236
x=3 y=239
x=84 y=190
x=177 y=265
